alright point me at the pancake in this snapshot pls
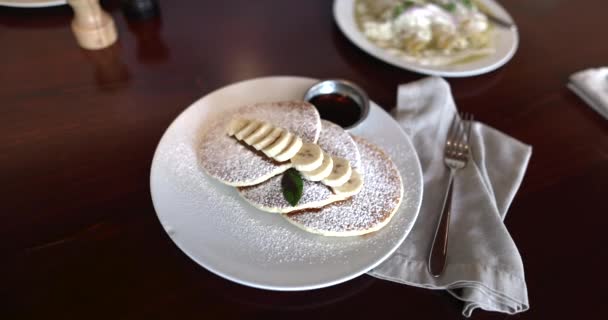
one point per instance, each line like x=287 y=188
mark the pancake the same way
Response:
x=335 y=140
x=268 y=195
x=366 y=212
x=233 y=163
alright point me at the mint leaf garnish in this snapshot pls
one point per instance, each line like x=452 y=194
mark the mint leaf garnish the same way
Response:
x=467 y=3
x=451 y=6
x=292 y=186
x=401 y=7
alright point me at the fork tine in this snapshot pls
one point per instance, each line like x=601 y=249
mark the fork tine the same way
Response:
x=469 y=125
x=465 y=126
x=459 y=134
x=463 y=147
x=453 y=130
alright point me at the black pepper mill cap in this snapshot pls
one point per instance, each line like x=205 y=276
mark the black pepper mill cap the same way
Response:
x=140 y=9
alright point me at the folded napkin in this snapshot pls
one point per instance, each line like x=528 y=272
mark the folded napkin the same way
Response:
x=484 y=268
x=592 y=86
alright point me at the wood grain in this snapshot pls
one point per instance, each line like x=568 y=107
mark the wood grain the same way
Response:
x=79 y=236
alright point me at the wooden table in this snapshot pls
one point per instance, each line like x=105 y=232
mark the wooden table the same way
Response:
x=79 y=236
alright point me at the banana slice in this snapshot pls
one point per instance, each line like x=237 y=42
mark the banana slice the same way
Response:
x=247 y=130
x=352 y=186
x=268 y=139
x=322 y=171
x=291 y=149
x=236 y=125
x=278 y=145
x=340 y=173
x=263 y=130
x=308 y=158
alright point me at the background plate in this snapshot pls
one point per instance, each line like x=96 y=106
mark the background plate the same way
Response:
x=32 y=3
x=506 y=42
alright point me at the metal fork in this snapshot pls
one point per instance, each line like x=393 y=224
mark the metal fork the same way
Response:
x=456 y=155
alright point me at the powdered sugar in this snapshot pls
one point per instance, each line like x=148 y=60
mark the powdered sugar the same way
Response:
x=337 y=142
x=215 y=227
x=254 y=235
x=268 y=195
x=367 y=211
x=213 y=208
x=231 y=162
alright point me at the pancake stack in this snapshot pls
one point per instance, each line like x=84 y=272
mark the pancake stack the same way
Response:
x=350 y=186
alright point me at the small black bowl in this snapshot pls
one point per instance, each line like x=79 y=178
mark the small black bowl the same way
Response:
x=335 y=94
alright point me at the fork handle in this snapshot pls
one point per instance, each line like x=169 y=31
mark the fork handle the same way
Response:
x=439 y=248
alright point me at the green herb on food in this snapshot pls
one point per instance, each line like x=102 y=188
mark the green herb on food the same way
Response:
x=401 y=7
x=292 y=186
x=450 y=6
x=467 y=3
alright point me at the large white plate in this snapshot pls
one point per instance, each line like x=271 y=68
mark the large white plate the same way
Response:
x=506 y=42
x=215 y=227
x=32 y=3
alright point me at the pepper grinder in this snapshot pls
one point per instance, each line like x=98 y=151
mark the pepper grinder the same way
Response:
x=93 y=27
x=140 y=9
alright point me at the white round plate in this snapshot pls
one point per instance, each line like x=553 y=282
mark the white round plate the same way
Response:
x=506 y=42
x=32 y=3
x=215 y=227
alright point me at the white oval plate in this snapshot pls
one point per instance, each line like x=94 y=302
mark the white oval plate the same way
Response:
x=32 y=3
x=215 y=227
x=506 y=42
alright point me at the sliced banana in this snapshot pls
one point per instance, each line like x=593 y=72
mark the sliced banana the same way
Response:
x=263 y=130
x=247 y=130
x=268 y=139
x=236 y=125
x=322 y=171
x=340 y=173
x=278 y=145
x=352 y=186
x=292 y=148
x=308 y=158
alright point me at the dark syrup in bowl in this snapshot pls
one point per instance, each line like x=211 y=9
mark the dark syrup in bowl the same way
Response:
x=337 y=108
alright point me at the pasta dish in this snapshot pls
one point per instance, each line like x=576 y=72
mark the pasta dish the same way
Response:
x=430 y=32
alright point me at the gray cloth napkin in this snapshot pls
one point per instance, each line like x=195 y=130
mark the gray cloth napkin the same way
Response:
x=484 y=268
x=591 y=85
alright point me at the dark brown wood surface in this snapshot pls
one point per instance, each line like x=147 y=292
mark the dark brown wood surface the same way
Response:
x=79 y=238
